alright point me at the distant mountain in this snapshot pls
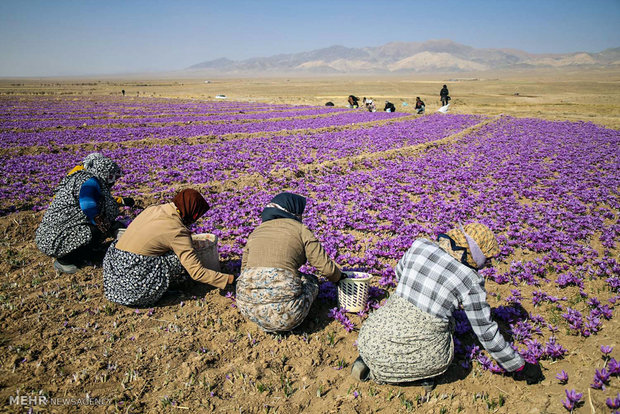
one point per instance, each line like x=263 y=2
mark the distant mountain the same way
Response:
x=395 y=57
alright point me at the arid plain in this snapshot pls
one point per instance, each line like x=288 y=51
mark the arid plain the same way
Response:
x=589 y=95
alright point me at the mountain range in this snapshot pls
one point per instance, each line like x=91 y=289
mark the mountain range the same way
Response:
x=404 y=57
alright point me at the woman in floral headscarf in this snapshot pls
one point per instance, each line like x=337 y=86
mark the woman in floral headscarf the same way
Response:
x=155 y=250
x=271 y=291
x=87 y=163
x=410 y=337
x=81 y=215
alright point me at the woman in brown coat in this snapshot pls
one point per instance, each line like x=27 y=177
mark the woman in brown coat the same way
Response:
x=156 y=249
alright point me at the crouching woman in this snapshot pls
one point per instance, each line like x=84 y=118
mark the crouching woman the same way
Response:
x=410 y=338
x=81 y=216
x=155 y=250
x=271 y=291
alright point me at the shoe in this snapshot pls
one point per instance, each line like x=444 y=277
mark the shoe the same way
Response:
x=360 y=370
x=65 y=267
x=428 y=384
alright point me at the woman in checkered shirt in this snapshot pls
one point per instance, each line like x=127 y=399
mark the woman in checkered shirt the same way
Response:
x=410 y=338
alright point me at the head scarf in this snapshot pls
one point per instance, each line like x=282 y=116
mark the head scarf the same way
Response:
x=88 y=160
x=106 y=170
x=477 y=242
x=284 y=205
x=191 y=205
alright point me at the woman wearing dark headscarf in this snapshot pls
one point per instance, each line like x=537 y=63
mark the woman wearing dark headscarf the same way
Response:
x=156 y=249
x=271 y=291
x=410 y=337
x=81 y=215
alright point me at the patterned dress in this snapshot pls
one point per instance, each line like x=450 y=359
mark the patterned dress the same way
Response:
x=132 y=279
x=401 y=343
x=275 y=299
x=65 y=227
x=410 y=338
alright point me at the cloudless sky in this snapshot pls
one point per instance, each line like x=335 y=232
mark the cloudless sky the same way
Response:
x=80 y=37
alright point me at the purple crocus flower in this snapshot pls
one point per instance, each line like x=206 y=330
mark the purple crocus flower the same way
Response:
x=606 y=349
x=602 y=375
x=572 y=399
x=553 y=349
x=562 y=376
x=613 y=404
x=613 y=366
x=340 y=316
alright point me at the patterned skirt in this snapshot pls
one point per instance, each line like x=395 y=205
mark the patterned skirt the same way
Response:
x=401 y=343
x=135 y=280
x=275 y=299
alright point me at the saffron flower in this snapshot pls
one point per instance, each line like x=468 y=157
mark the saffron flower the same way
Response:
x=606 y=349
x=572 y=399
x=613 y=404
x=562 y=376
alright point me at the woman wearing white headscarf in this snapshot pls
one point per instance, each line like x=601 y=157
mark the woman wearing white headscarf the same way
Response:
x=410 y=337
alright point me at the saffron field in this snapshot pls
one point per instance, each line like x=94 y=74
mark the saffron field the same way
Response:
x=375 y=182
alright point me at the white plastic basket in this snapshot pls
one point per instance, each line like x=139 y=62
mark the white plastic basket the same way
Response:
x=353 y=292
x=205 y=246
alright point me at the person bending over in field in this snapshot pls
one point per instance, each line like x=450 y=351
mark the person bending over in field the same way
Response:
x=389 y=107
x=271 y=291
x=410 y=338
x=155 y=250
x=87 y=163
x=370 y=105
x=353 y=101
x=419 y=105
x=82 y=214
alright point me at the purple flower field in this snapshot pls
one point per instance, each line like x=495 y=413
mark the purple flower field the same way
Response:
x=375 y=182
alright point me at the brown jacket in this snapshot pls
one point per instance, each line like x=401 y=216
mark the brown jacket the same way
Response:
x=158 y=230
x=288 y=244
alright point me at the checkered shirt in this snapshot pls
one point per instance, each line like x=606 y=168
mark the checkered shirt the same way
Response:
x=436 y=283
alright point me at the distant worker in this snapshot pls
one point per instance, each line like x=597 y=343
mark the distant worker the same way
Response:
x=123 y=91
x=419 y=105
x=389 y=107
x=370 y=105
x=353 y=101
x=329 y=103
x=444 y=95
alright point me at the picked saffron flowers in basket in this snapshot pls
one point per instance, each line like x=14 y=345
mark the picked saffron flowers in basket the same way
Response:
x=353 y=291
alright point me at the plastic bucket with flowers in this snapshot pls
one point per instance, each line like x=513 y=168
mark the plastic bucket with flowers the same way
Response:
x=205 y=246
x=353 y=291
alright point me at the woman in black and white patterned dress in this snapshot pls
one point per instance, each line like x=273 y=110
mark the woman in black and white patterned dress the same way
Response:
x=82 y=214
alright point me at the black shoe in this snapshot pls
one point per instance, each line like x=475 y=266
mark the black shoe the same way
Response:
x=65 y=267
x=360 y=370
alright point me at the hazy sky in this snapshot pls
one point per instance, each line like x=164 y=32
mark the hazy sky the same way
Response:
x=64 y=37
